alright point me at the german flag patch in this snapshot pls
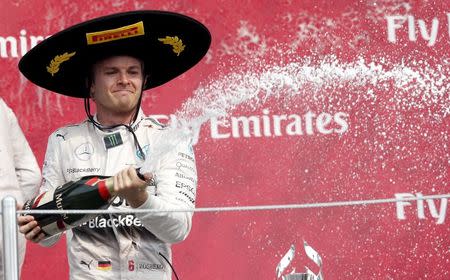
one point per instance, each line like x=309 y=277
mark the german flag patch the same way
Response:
x=104 y=265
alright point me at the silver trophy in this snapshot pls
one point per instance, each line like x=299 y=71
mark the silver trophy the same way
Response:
x=298 y=276
x=289 y=256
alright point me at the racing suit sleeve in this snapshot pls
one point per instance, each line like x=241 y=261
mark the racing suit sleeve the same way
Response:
x=26 y=168
x=176 y=184
x=52 y=176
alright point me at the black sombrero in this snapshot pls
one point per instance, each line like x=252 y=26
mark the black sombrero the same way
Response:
x=168 y=43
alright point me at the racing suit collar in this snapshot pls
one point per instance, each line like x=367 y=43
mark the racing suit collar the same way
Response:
x=134 y=125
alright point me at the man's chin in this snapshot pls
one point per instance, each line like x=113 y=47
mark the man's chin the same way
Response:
x=126 y=103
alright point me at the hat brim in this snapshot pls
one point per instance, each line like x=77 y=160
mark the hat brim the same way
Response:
x=168 y=43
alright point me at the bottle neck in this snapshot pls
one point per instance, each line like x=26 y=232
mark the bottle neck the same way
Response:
x=104 y=184
x=109 y=183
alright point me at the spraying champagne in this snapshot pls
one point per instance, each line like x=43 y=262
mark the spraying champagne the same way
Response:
x=90 y=192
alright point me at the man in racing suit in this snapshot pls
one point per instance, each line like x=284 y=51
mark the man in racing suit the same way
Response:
x=19 y=172
x=126 y=245
x=117 y=140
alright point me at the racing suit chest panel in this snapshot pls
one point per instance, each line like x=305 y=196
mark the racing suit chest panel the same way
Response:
x=87 y=155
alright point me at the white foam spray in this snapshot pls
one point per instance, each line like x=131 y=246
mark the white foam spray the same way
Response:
x=411 y=86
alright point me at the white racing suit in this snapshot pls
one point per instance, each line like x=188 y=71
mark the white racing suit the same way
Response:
x=123 y=246
x=19 y=172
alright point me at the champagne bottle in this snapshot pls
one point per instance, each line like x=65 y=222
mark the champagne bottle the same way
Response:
x=90 y=192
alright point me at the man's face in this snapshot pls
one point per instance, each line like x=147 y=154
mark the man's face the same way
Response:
x=117 y=85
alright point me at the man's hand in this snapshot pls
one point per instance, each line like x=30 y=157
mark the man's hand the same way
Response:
x=128 y=186
x=29 y=227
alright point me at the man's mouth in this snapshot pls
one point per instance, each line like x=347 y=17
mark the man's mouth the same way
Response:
x=123 y=91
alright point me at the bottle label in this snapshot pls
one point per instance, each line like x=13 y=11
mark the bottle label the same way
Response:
x=87 y=193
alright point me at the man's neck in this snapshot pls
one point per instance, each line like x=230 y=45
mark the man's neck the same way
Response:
x=107 y=119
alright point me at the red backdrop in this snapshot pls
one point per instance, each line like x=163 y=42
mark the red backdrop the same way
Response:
x=353 y=104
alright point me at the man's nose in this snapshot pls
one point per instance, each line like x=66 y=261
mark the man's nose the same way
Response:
x=123 y=79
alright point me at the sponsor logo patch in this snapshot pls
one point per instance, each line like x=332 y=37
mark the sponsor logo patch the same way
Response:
x=87 y=264
x=63 y=136
x=114 y=222
x=181 y=165
x=145 y=150
x=128 y=31
x=186 y=156
x=74 y=170
x=132 y=266
x=113 y=140
x=84 y=151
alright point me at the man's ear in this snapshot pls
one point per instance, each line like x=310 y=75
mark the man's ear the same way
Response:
x=90 y=88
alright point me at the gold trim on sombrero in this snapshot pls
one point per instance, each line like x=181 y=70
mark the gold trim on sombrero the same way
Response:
x=175 y=42
x=53 y=67
x=132 y=30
